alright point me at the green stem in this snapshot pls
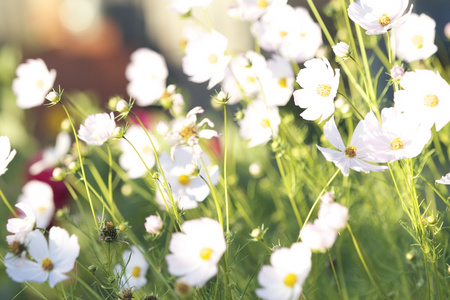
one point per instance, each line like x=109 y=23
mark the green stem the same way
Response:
x=110 y=179
x=7 y=204
x=80 y=157
x=213 y=192
x=225 y=167
x=360 y=116
x=334 y=274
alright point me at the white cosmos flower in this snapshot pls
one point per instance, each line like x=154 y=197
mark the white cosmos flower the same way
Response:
x=97 y=129
x=188 y=188
x=205 y=57
x=33 y=83
x=290 y=31
x=399 y=136
x=53 y=155
x=196 y=251
x=135 y=269
x=425 y=97
x=341 y=49
x=147 y=73
x=378 y=16
x=251 y=10
x=279 y=85
x=50 y=261
x=260 y=123
x=318 y=236
x=284 y=277
x=19 y=227
x=6 y=154
x=355 y=156
x=444 y=179
x=129 y=160
x=320 y=85
x=414 y=39
x=39 y=196
x=184 y=6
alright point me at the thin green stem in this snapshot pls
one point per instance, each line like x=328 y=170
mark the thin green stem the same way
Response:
x=225 y=155
x=388 y=47
x=7 y=203
x=110 y=178
x=320 y=195
x=360 y=116
x=334 y=274
x=80 y=157
x=434 y=189
x=213 y=192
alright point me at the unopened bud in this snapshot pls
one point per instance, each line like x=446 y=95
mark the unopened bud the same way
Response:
x=431 y=220
x=58 y=174
x=341 y=49
x=92 y=268
x=257 y=234
x=122 y=106
x=53 y=97
x=126 y=190
x=397 y=72
x=118 y=132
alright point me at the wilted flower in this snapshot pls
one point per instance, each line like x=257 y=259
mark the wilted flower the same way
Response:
x=147 y=73
x=341 y=49
x=320 y=85
x=196 y=251
x=153 y=224
x=33 y=82
x=52 y=155
x=188 y=132
x=414 y=39
x=135 y=269
x=355 y=156
x=283 y=279
x=39 y=196
x=6 y=154
x=377 y=17
x=97 y=129
x=50 y=261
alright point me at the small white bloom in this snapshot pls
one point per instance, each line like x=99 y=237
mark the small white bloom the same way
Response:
x=33 y=82
x=444 y=179
x=53 y=155
x=251 y=10
x=184 y=6
x=327 y=197
x=50 y=261
x=397 y=72
x=378 y=16
x=318 y=235
x=135 y=269
x=341 y=49
x=53 y=97
x=447 y=30
x=425 y=97
x=187 y=189
x=147 y=73
x=283 y=279
x=205 y=58
x=39 y=196
x=334 y=215
x=97 y=129
x=260 y=123
x=129 y=160
x=414 y=39
x=355 y=156
x=320 y=85
x=153 y=224
x=279 y=84
x=196 y=251
x=21 y=227
x=6 y=154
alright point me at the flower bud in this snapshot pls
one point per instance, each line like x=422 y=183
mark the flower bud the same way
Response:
x=192 y=170
x=341 y=49
x=73 y=166
x=53 y=97
x=122 y=106
x=431 y=220
x=58 y=174
x=65 y=125
x=257 y=234
x=112 y=103
x=92 y=268
x=118 y=132
x=153 y=224
x=397 y=72
x=126 y=190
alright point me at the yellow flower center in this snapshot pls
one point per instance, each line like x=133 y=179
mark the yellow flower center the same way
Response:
x=431 y=100
x=290 y=280
x=396 y=144
x=213 y=59
x=147 y=149
x=40 y=83
x=324 y=90
x=187 y=131
x=41 y=208
x=136 y=271
x=384 y=20
x=350 y=151
x=265 y=123
x=282 y=82
x=47 y=264
x=251 y=79
x=262 y=3
x=184 y=179
x=303 y=34
x=205 y=253
x=283 y=33
x=417 y=40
